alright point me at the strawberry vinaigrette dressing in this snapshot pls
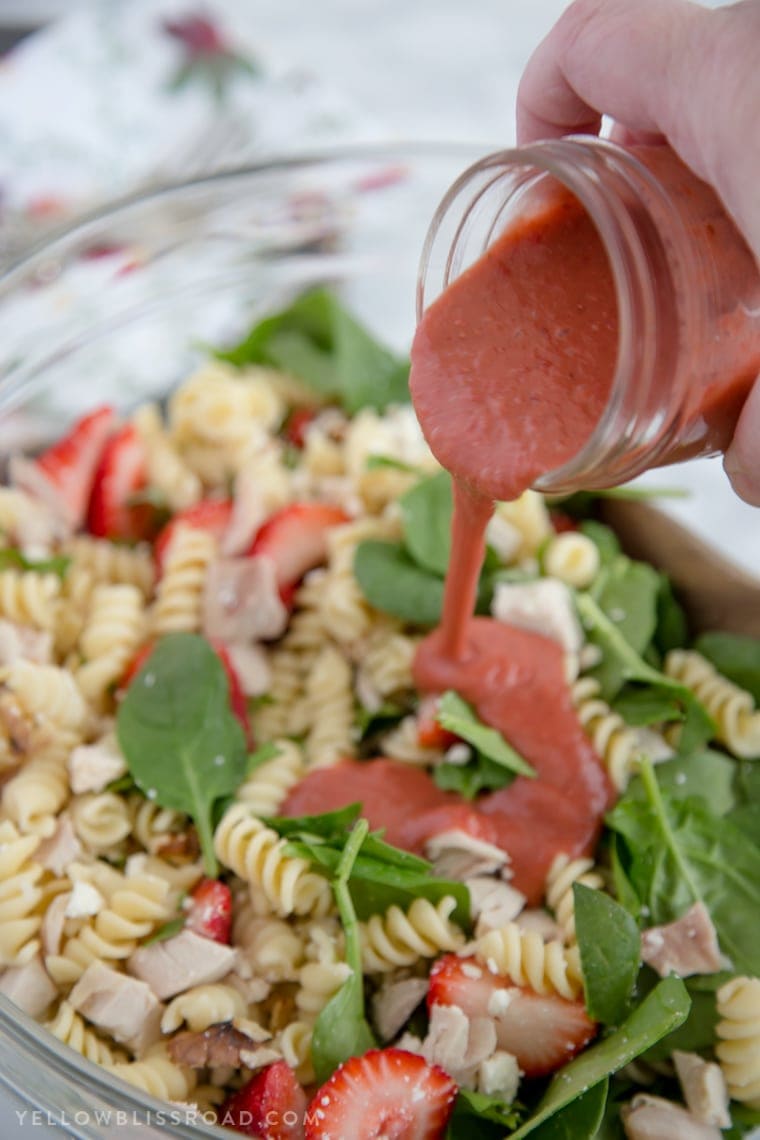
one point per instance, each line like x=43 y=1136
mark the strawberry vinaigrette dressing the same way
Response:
x=511 y=368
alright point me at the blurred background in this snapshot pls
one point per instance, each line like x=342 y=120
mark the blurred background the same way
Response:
x=101 y=97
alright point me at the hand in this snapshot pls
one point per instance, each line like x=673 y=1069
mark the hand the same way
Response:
x=674 y=71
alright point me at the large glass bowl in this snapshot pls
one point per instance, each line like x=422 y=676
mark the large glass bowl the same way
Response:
x=118 y=309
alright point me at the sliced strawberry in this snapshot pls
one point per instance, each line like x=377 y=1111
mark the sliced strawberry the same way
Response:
x=209 y=910
x=562 y=522
x=295 y=538
x=63 y=475
x=386 y=1093
x=543 y=1033
x=430 y=734
x=238 y=703
x=120 y=474
x=212 y=515
x=270 y=1107
x=296 y=425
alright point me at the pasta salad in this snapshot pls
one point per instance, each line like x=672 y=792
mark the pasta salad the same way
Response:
x=208 y=610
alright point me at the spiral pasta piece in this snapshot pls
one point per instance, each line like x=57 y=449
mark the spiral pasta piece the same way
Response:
x=256 y=854
x=738 y=1031
x=70 y=1028
x=153 y=825
x=202 y=1006
x=179 y=596
x=317 y=983
x=329 y=701
x=30 y=598
x=619 y=746
x=157 y=1075
x=114 y=629
x=524 y=957
x=386 y=661
x=270 y=945
x=563 y=874
x=167 y=470
x=294 y=1042
x=20 y=896
x=400 y=938
x=110 y=564
x=266 y=788
x=34 y=796
x=573 y=558
x=49 y=696
x=101 y=820
x=737 y=721
x=134 y=910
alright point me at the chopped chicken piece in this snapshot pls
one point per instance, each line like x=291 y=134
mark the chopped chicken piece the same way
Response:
x=21 y=641
x=394 y=1003
x=93 y=766
x=458 y=1043
x=704 y=1088
x=251 y=668
x=122 y=1006
x=687 y=946
x=61 y=849
x=178 y=963
x=493 y=903
x=545 y=606
x=29 y=987
x=255 y=499
x=457 y=855
x=652 y=1118
x=499 y=1075
x=241 y=601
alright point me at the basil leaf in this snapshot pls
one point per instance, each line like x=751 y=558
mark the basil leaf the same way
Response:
x=735 y=656
x=610 y=948
x=184 y=748
x=318 y=341
x=393 y=583
x=680 y=853
x=426 y=511
x=661 y=1011
x=580 y=1120
x=478 y=775
x=341 y=1030
x=455 y=715
x=11 y=558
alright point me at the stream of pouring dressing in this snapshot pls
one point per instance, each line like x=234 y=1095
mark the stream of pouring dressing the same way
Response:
x=511 y=367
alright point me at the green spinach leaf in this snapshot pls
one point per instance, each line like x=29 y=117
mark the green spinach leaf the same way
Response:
x=672 y=627
x=579 y=1120
x=607 y=542
x=707 y=774
x=680 y=853
x=426 y=511
x=734 y=655
x=13 y=559
x=478 y=1116
x=647 y=705
x=610 y=948
x=317 y=340
x=168 y=930
x=393 y=583
x=342 y=1030
x=478 y=775
x=184 y=747
x=455 y=715
x=661 y=1011
x=627 y=593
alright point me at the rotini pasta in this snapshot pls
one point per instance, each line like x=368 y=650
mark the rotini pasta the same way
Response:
x=524 y=957
x=737 y=721
x=329 y=700
x=179 y=594
x=157 y=1075
x=266 y=788
x=563 y=873
x=203 y=1006
x=101 y=820
x=573 y=558
x=114 y=628
x=398 y=939
x=70 y=1028
x=619 y=746
x=20 y=895
x=30 y=598
x=738 y=1048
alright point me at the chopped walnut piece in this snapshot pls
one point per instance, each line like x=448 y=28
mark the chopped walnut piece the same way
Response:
x=219 y=1045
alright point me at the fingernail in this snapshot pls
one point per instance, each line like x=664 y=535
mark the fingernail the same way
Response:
x=746 y=485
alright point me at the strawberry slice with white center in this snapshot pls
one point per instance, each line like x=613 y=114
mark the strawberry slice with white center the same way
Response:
x=542 y=1032
x=387 y=1094
x=120 y=475
x=209 y=910
x=295 y=539
x=270 y=1106
x=62 y=477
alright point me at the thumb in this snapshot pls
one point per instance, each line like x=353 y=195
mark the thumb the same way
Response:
x=742 y=461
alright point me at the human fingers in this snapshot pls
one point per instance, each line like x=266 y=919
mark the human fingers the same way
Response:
x=623 y=58
x=741 y=460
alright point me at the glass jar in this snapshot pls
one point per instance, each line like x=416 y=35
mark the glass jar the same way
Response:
x=687 y=291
